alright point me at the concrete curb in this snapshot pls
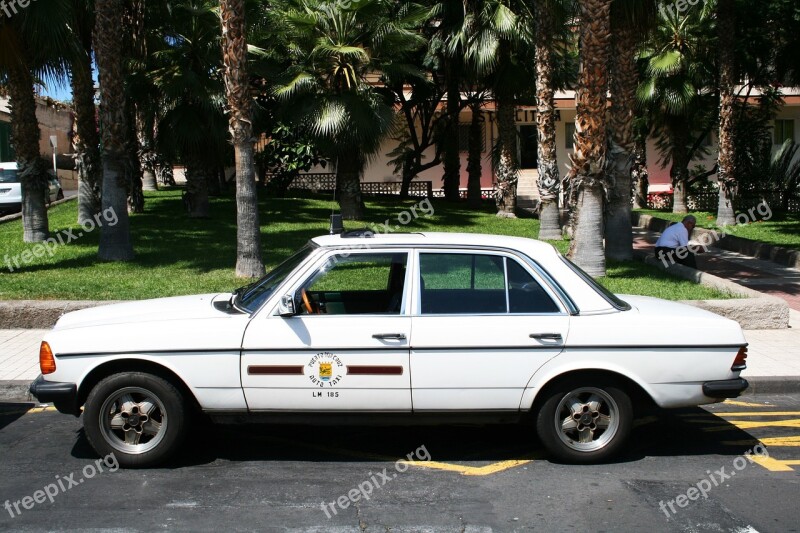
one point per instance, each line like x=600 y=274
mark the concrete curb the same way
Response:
x=754 y=310
x=15 y=391
x=17 y=216
x=40 y=314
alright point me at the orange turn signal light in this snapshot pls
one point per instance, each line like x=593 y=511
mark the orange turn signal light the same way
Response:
x=47 y=363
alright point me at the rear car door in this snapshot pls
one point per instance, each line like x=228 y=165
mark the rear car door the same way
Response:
x=483 y=323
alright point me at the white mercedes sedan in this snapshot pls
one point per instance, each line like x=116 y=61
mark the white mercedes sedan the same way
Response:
x=389 y=329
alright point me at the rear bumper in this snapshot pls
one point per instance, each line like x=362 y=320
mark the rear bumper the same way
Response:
x=729 y=388
x=63 y=395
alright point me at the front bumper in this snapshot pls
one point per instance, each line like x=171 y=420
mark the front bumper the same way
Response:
x=729 y=388
x=63 y=395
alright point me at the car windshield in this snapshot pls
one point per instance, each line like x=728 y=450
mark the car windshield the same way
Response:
x=251 y=297
x=8 y=176
x=605 y=293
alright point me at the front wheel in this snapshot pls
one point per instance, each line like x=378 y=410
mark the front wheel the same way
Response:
x=137 y=417
x=584 y=422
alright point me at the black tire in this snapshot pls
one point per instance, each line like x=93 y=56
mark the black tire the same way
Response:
x=139 y=418
x=583 y=403
x=60 y=195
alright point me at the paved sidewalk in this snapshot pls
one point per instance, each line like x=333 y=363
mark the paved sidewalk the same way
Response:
x=757 y=274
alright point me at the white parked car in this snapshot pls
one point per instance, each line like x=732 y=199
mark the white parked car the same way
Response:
x=11 y=189
x=387 y=329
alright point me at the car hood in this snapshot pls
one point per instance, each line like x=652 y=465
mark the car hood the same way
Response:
x=158 y=310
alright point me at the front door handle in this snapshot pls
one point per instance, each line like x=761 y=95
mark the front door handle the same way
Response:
x=546 y=336
x=390 y=336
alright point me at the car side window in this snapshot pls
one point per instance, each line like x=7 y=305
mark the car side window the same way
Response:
x=479 y=284
x=353 y=284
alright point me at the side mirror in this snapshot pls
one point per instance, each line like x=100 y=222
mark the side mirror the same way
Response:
x=286 y=307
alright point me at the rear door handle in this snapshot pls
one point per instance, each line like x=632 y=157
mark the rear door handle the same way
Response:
x=390 y=336
x=546 y=336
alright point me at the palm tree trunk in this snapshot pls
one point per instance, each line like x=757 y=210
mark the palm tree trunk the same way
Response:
x=589 y=158
x=679 y=172
x=87 y=144
x=115 y=241
x=348 y=185
x=507 y=170
x=32 y=169
x=639 y=173
x=476 y=144
x=549 y=181
x=452 y=157
x=234 y=54
x=726 y=27
x=624 y=82
x=145 y=130
x=197 y=188
x=132 y=165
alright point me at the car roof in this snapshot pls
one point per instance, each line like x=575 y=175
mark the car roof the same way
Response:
x=437 y=239
x=11 y=165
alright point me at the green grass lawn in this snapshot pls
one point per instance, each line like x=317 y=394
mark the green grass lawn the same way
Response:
x=176 y=255
x=781 y=229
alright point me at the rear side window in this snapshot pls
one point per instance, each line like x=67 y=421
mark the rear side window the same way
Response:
x=8 y=176
x=479 y=284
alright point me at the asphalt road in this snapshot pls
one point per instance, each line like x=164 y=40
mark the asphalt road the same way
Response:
x=473 y=479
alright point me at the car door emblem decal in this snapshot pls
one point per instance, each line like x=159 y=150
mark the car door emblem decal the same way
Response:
x=325 y=369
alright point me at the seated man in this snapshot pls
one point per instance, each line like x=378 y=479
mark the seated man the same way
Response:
x=673 y=245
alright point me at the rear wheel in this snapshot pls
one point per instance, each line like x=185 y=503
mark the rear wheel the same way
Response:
x=582 y=421
x=137 y=417
x=60 y=195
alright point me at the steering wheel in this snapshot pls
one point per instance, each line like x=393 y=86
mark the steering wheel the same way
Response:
x=308 y=303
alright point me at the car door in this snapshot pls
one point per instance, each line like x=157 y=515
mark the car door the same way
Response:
x=345 y=348
x=483 y=323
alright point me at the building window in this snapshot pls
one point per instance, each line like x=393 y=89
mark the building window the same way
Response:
x=463 y=137
x=6 y=154
x=569 y=135
x=784 y=130
x=528 y=147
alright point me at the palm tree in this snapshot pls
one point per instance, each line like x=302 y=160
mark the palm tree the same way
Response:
x=497 y=49
x=115 y=241
x=249 y=263
x=588 y=181
x=87 y=144
x=452 y=20
x=726 y=47
x=183 y=78
x=676 y=91
x=32 y=45
x=629 y=19
x=337 y=54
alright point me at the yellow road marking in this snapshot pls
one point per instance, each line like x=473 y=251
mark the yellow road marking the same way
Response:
x=764 y=413
x=470 y=470
x=433 y=465
x=746 y=404
x=773 y=465
x=767 y=441
x=31 y=410
x=749 y=424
